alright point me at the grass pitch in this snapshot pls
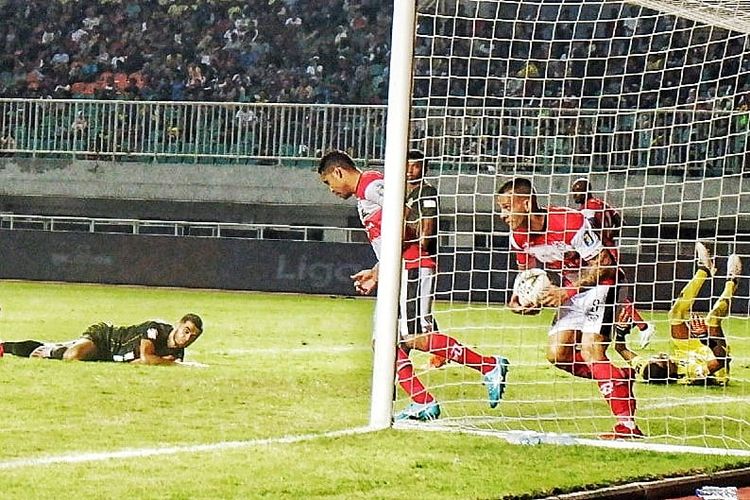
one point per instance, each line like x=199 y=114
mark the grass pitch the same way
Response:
x=279 y=366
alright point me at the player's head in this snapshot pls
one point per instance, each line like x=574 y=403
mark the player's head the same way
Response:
x=516 y=200
x=336 y=169
x=580 y=189
x=659 y=369
x=186 y=331
x=415 y=166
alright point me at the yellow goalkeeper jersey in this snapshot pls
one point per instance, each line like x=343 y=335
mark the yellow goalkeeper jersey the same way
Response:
x=691 y=357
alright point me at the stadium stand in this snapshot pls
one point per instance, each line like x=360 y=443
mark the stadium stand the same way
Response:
x=255 y=51
x=677 y=76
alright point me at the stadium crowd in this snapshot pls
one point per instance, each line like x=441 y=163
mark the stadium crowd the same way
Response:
x=337 y=51
x=254 y=51
x=533 y=68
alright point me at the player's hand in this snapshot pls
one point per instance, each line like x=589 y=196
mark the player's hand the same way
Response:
x=517 y=308
x=554 y=296
x=698 y=327
x=365 y=281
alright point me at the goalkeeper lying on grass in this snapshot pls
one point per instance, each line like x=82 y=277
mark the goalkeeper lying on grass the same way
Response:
x=699 y=353
x=148 y=343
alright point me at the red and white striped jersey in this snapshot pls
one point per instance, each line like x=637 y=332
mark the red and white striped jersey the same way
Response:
x=603 y=218
x=566 y=244
x=369 y=196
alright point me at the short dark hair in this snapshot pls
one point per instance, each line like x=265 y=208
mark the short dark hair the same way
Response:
x=335 y=158
x=518 y=185
x=581 y=185
x=657 y=371
x=415 y=154
x=194 y=319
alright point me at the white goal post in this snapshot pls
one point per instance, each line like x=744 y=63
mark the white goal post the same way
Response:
x=650 y=102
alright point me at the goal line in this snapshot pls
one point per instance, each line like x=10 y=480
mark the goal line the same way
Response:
x=532 y=438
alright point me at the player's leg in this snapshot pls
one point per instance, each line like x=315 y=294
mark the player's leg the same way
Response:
x=594 y=310
x=423 y=405
x=426 y=294
x=629 y=314
x=83 y=349
x=562 y=353
x=493 y=368
x=22 y=348
x=720 y=310
x=562 y=339
x=679 y=314
x=717 y=342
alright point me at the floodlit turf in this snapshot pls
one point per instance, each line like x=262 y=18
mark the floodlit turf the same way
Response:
x=280 y=365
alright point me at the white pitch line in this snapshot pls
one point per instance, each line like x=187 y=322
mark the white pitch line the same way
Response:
x=708 y=400
x=288 y=350
x=76 y=458
x=531 y=438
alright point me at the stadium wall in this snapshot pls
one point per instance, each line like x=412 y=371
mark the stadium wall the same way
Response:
x=296 y=266
x=186 y=191
x=221 y=263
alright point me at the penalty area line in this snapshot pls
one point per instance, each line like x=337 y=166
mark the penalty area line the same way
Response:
x=76 y=458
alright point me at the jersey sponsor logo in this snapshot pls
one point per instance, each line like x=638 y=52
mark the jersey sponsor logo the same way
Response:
x=606 y=388
x=152 y=333
x=120 y=358
x=430 y=204
x=589 y=239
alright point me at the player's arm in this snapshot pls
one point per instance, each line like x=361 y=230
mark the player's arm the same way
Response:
x=366 y=280
x=148 y=356
x=523 y=263
x=600 y=267
x=621 y=329
x=427 y=232
x=427 y=228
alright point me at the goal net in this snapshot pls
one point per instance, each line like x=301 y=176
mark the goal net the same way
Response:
x=648 y=101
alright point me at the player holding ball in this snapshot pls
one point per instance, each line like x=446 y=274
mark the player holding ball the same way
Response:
x=563 y=241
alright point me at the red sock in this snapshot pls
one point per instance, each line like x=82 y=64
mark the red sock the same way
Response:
x=580 y=367
x=614 y=384
x=450 y=348
x=634 y=314
x=408 y=381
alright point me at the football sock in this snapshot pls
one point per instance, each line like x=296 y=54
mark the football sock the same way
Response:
x=580 y=367
x=614 y=385
x=451 y=349
x=635 y=315
x=23 y=348
x=721 y=308
x=681 y=308
x=408 y=381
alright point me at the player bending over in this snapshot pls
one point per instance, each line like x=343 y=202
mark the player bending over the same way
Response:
x=699 y=352
x=149 y=343
x=344 y=179
x=562 y=239
x=607 y=221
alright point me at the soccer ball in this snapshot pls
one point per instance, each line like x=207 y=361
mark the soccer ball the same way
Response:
x=530 y=285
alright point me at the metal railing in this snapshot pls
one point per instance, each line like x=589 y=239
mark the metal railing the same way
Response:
x=182 y=131
x=697 y=141
x=10 y=221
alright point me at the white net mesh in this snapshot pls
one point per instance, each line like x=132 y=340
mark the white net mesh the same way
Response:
x=649 y=101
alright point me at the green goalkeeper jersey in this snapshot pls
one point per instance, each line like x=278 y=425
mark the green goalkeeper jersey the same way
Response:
x=422 y=203
x=122 y=343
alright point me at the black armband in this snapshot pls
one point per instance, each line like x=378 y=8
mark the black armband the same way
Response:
x=621 y=332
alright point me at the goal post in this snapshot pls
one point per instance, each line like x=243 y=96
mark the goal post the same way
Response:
x=648 y=100
x=397 y=132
